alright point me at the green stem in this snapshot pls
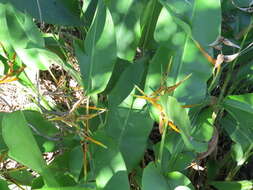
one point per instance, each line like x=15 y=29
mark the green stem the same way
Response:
x=162 y=144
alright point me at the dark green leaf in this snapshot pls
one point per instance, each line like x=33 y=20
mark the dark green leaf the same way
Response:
x=126 y=17
x=97 y=62
x=233 y=185
x=153 y=179
x=4 y=185
x=22 y=145
x=64 y=12
x=131 y=131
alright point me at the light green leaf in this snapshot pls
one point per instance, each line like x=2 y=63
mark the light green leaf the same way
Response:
x=66 y=188
x=187 y=57
x=148 y=23
x=153 y=179
x=118 y=180
x=21 y=29
x=97 y=62
x=86 y=3
x=130 y=130
x=130 y=77
x=126 y=16
x=106 y=163
x=233 y=185
x=156 y=69
x=22 y=145
x=180 y=118
x=239 y=126
x=65 y=12
x=178 y=181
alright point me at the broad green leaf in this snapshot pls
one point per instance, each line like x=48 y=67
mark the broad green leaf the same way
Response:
x=3 y=146
x=22 y=145
x=239 y=127
x=23 y=177
x=64 y=12
x=86 y=3
x=237 y=153
x=233 y=185
x=65 y=188
x=76 y=162
x=238 y=132
x=203 y=130
x=107 y=162
x=4 y=185
x=130 y=130
x=153 y=179
x=177 y=179
x=118 y=180
x=180 y=118
x=131 y=76
x=187 y=57
x=148 y=24
x=118 y=70
x=21 y=29
x=126 y=17
x=40 y=123
x=97 y=62
x=38 y=58
x=156 y=70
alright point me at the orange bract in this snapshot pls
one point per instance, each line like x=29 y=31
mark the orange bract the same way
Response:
x=154 y=98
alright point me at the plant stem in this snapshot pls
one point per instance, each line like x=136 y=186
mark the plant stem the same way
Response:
x=162 y=144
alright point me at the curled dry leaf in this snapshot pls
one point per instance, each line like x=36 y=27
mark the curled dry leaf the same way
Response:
x=219 y=60
x=229 y=58
x=248 y=9
x=229 y=43
x=217 y=44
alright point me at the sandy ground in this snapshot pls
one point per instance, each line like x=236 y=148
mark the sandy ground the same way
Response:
x=13 y=97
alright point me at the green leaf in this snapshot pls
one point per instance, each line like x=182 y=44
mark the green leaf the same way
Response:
x=65 y=12
x=177 y=179
x=153 y=179
x=4 y=185
x=118 y=180
x=148 y=24
x=106 y=163
x=126 y=16
x=23 y=177
x=239 y=127
x=180 y=118
x=86 y=4
x=39 y=122
x=187 y=57
x=130 y=130
x=238 y=133
x=76 y=162
x=203 y=128
x=21 y=30
x=131 y=76
x=233 y=185
x=22 y=145
x=97 y=62
x=156 y=69
x=66 y=188
x=3 y=146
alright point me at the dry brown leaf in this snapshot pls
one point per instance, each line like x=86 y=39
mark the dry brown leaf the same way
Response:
x=219 y=60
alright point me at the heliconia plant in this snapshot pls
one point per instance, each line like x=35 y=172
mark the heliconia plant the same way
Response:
x=163 y=84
